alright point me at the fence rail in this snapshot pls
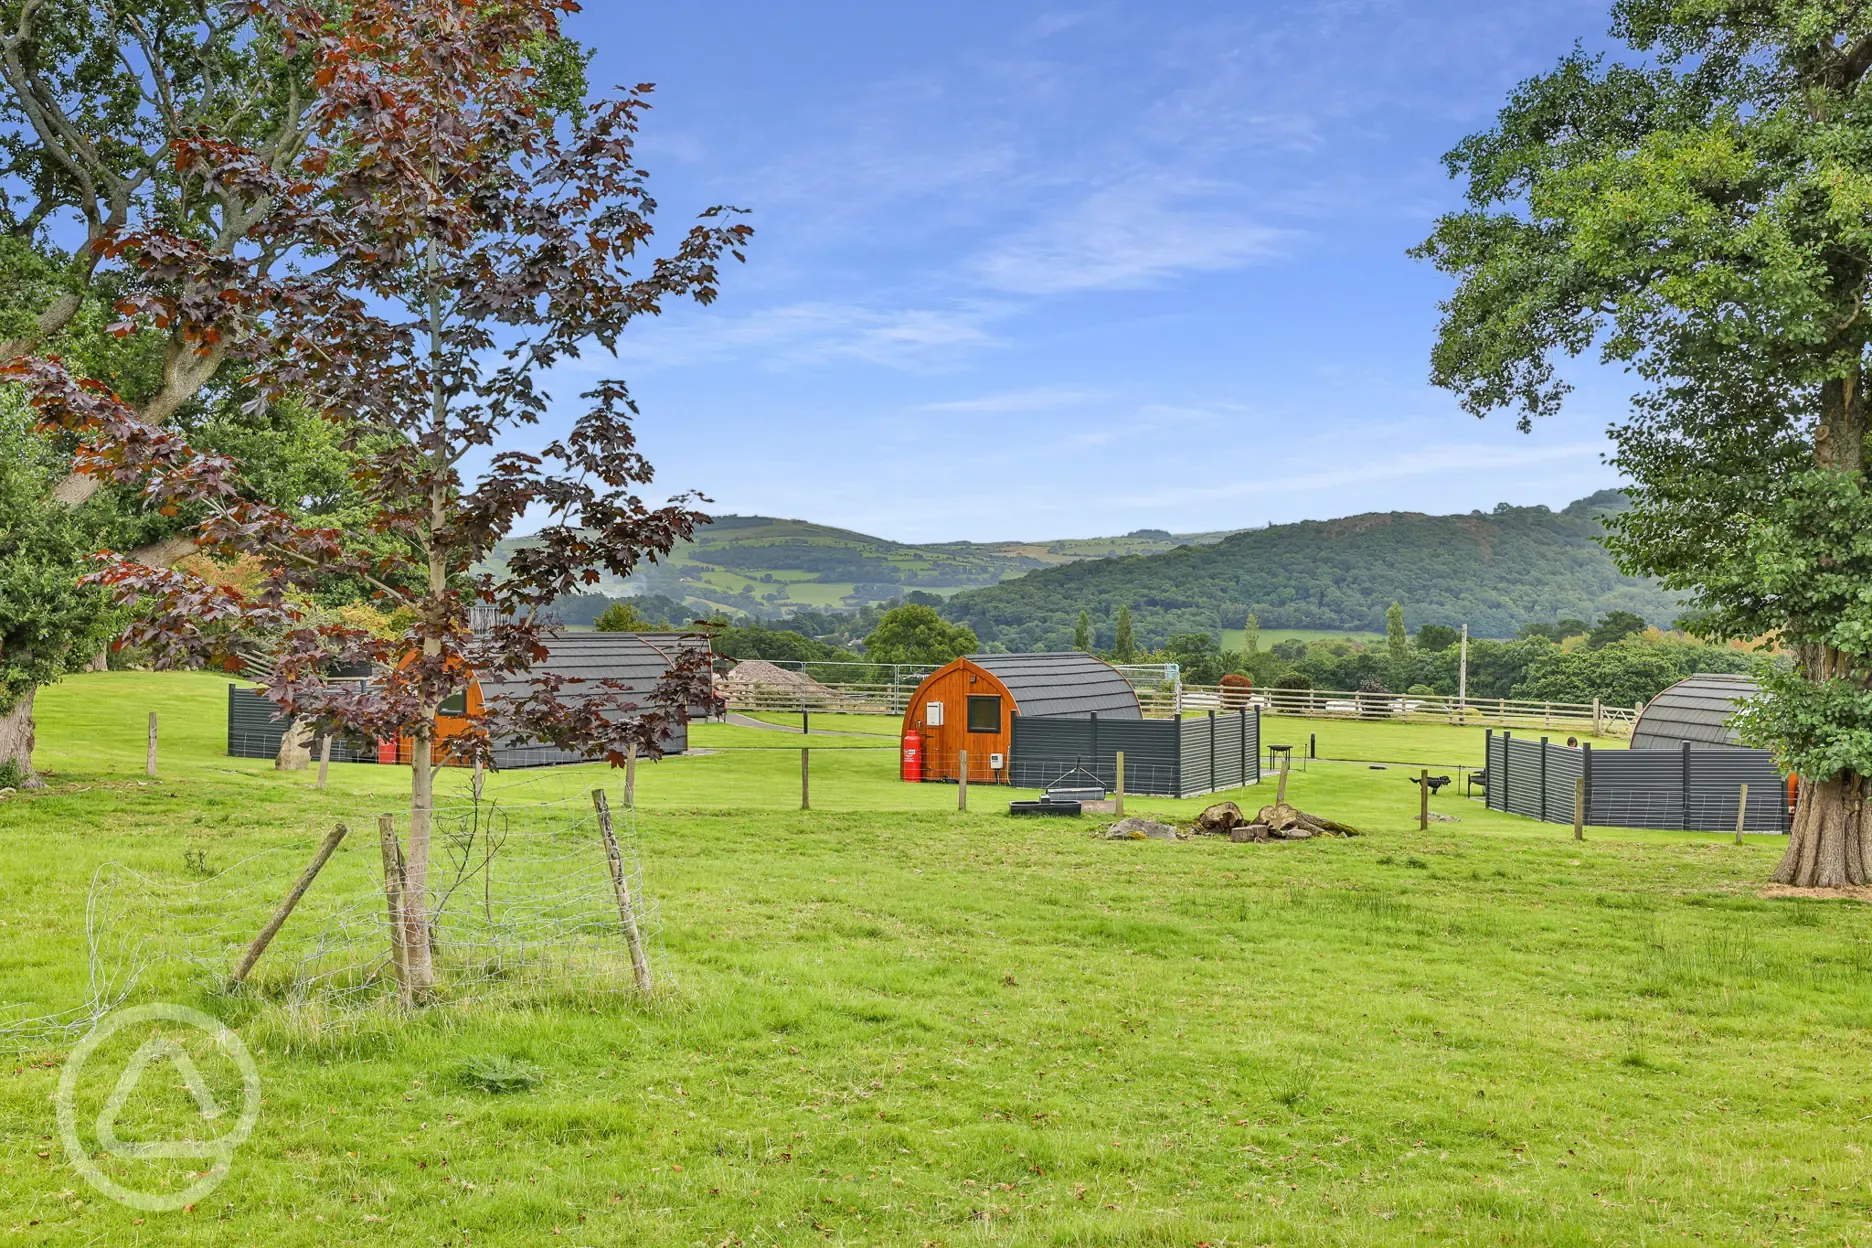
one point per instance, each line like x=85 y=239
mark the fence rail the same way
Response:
x=1161 y=703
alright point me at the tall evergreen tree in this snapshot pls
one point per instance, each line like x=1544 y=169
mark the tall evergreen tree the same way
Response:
x=1251 y=644
x=1699 y=215
x=1124 y=645
x=1082 y=633
x=1397 y=641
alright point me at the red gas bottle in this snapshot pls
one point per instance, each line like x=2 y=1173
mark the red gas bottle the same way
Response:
x=912 y=756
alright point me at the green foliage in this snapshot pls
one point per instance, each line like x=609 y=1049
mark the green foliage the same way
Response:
x=1251 y=639
x=1563 y=629
x=781 y=645
x=1082 y=634
x=1124 y=642
x=1698 y=215
x=622 y=617
x=1492 y=571
x=48 y=625
x=1615 y=627
x=1198 y=655
x=1620 y=674
x=916 y=634
x=1397 y=641
x=1434 y=637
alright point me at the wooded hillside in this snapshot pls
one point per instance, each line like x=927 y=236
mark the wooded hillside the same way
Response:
x=1494 y=571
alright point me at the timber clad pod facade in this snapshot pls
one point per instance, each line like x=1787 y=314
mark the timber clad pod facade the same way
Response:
x=970 y=705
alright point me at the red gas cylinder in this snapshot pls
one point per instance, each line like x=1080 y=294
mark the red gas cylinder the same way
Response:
x=1793 y=792
x=912 y=756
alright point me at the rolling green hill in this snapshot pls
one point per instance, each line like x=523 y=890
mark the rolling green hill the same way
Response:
x=771 y=567
x=1493 y=571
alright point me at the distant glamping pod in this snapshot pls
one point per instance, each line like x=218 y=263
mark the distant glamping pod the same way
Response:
x=631 y=662
x=1695 y=711
x=969 y=706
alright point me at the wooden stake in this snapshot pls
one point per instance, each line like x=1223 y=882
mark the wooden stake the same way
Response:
x=285 y=910
x=1423 y=801
x=627 y=912
x=1118 y=807
x=393 y=898
x=962 y=787
x=1280 y=793
x=149 y=763
x=325 y=762
x=1598 y=718
x=1741 y=812
x=805 y=779
x=630 y=777
x=1579 y=808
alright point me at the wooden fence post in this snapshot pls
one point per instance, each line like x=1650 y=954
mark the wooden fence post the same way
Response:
x=1280 y=793
x=1118 y=806
x=1598 y=718
x=285 y=909
x=149 y=762
x=1579 y=808
x=962 y=784
x=630 y=777
x=1741 y=812
x=393 y=898
x=1423 y=800
x=805 y=779
x=325 y=762
x=620 y=885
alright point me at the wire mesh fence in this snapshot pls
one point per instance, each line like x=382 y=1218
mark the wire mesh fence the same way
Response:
x=524 y=901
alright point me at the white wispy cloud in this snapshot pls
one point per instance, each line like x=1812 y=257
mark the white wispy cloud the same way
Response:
x=1128 y=235
x=819 y=332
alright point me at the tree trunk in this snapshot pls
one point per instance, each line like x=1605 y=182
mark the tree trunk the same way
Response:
x=1832 y=845
x=16 y=741
x=295 y=750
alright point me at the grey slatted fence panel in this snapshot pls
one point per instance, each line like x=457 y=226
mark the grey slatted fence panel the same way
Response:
x=1194 y=739
x=1564 y=767
x=1043 y=749
x=1638 y=789
x=1716 y=779
x=1521 y=777
x=1495 y=762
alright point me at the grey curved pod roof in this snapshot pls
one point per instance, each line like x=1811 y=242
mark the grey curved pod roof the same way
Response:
x=1070 y=685
x=638 y=660
x=1695 y=710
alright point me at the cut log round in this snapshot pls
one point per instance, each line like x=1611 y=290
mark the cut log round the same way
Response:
x=1220 y=818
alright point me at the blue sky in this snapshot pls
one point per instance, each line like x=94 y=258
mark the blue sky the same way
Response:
x=1032 y=271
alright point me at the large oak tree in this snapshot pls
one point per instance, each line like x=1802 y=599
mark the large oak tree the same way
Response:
x=1701 y=213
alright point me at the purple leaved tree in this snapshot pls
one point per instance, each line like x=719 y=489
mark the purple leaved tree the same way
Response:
x=445 y=236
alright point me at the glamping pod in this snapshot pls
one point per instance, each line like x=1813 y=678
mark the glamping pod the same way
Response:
x=636 y=661
x=1695 y=712
x=970 y=704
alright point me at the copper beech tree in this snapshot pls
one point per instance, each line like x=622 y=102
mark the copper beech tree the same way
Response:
x=439 y=242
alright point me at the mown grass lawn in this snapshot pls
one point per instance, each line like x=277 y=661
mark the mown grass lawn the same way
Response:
x=888 y=1023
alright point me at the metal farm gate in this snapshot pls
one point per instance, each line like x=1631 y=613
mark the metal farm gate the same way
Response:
x=1163 y=757
x=1691 y=789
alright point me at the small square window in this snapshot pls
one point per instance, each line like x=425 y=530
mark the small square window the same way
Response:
x=454 y=704
x=984 y=714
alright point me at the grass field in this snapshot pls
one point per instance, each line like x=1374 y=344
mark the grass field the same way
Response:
x=884 y=1022
x=1237 y=638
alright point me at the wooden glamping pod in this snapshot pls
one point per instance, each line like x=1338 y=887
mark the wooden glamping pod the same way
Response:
x=637 y=660
x=970 y=705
